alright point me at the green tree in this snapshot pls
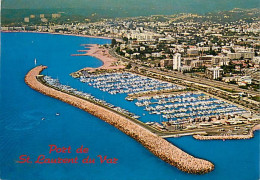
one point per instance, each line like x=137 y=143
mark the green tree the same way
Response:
x=128 y=66
x=113 y=42
x=125 y=39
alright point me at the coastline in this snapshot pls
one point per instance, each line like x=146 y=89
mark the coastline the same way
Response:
x=155 y=144
x=102 y=54
x=248 y=136
x=93 y=50
x=78 y=35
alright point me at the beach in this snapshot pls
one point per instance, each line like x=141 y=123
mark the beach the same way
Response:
x=101 y=53
x=155 y=144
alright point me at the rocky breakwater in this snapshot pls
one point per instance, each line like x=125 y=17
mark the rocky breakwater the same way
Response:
x=247 y=136
x=157 y=145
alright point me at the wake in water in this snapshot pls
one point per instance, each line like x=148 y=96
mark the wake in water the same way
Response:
x=29 y=119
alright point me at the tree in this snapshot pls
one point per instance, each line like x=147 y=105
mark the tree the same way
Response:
x=212 y=52
x=128 y=66
x=113 y=42
x=125 y=39
x=129 y=51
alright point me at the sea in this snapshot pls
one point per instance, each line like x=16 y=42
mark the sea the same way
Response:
x=30 y=122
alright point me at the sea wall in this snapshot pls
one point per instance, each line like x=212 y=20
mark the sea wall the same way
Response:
x=155 y=144
x=248 y=136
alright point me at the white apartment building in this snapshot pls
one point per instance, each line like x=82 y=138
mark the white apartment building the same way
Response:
x=176 y=61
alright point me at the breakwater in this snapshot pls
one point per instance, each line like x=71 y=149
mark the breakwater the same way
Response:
x=155 y=144
x=78 y=54
x=247 y=136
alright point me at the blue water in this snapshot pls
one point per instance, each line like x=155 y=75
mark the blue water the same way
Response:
x=24 y=132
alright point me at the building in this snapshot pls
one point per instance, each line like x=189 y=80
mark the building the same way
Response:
x=246 y=79
x=135 y=55
x=206 y=60
x=41 y=15
x=147 y=36
x=44 y=20
x=5 y=28
x=166 y=62
x=55 y=15
x=241 y=55
x=256 y=60
x=196 y=63
x=185 y=68
x=214 y=73
x=234 y=56
x=27 y=19
x=142 y=48
x=220 y=60
x=156 y=54
x=176 y=61
x=192 y=52
x=247 y=55
x=32 y=16
x=187 y=61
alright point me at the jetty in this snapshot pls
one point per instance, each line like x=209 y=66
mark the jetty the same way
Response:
x=154 y=143
x=247 y=136
x=78 y=54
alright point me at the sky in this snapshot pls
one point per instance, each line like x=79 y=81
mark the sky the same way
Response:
x=154 y=6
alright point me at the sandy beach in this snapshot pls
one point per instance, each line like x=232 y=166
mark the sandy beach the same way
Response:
x=102 y=54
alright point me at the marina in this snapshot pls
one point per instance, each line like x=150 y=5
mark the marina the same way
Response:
x=155 y=144
x=126 y=82
x=188 y=107
x=54 y=83
x=168 y=113
x=164 y=103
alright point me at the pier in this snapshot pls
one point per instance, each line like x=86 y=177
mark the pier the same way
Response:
x=78 y=54
x=154 y=143
x=247 y=136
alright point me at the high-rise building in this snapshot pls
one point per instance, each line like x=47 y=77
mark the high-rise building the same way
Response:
x=176 y=61
x=214 y=72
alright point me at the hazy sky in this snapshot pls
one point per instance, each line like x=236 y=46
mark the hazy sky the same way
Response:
x=205 y=5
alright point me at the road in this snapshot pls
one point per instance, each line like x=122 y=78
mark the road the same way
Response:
x=216 y=84
x=198 y=130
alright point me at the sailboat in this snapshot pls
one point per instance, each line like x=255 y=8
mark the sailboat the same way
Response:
x=35 y=61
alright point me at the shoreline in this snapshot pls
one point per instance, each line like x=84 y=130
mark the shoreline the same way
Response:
x=248 y=136
x=78 y=35
x=155 y=144
x=103 y=55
